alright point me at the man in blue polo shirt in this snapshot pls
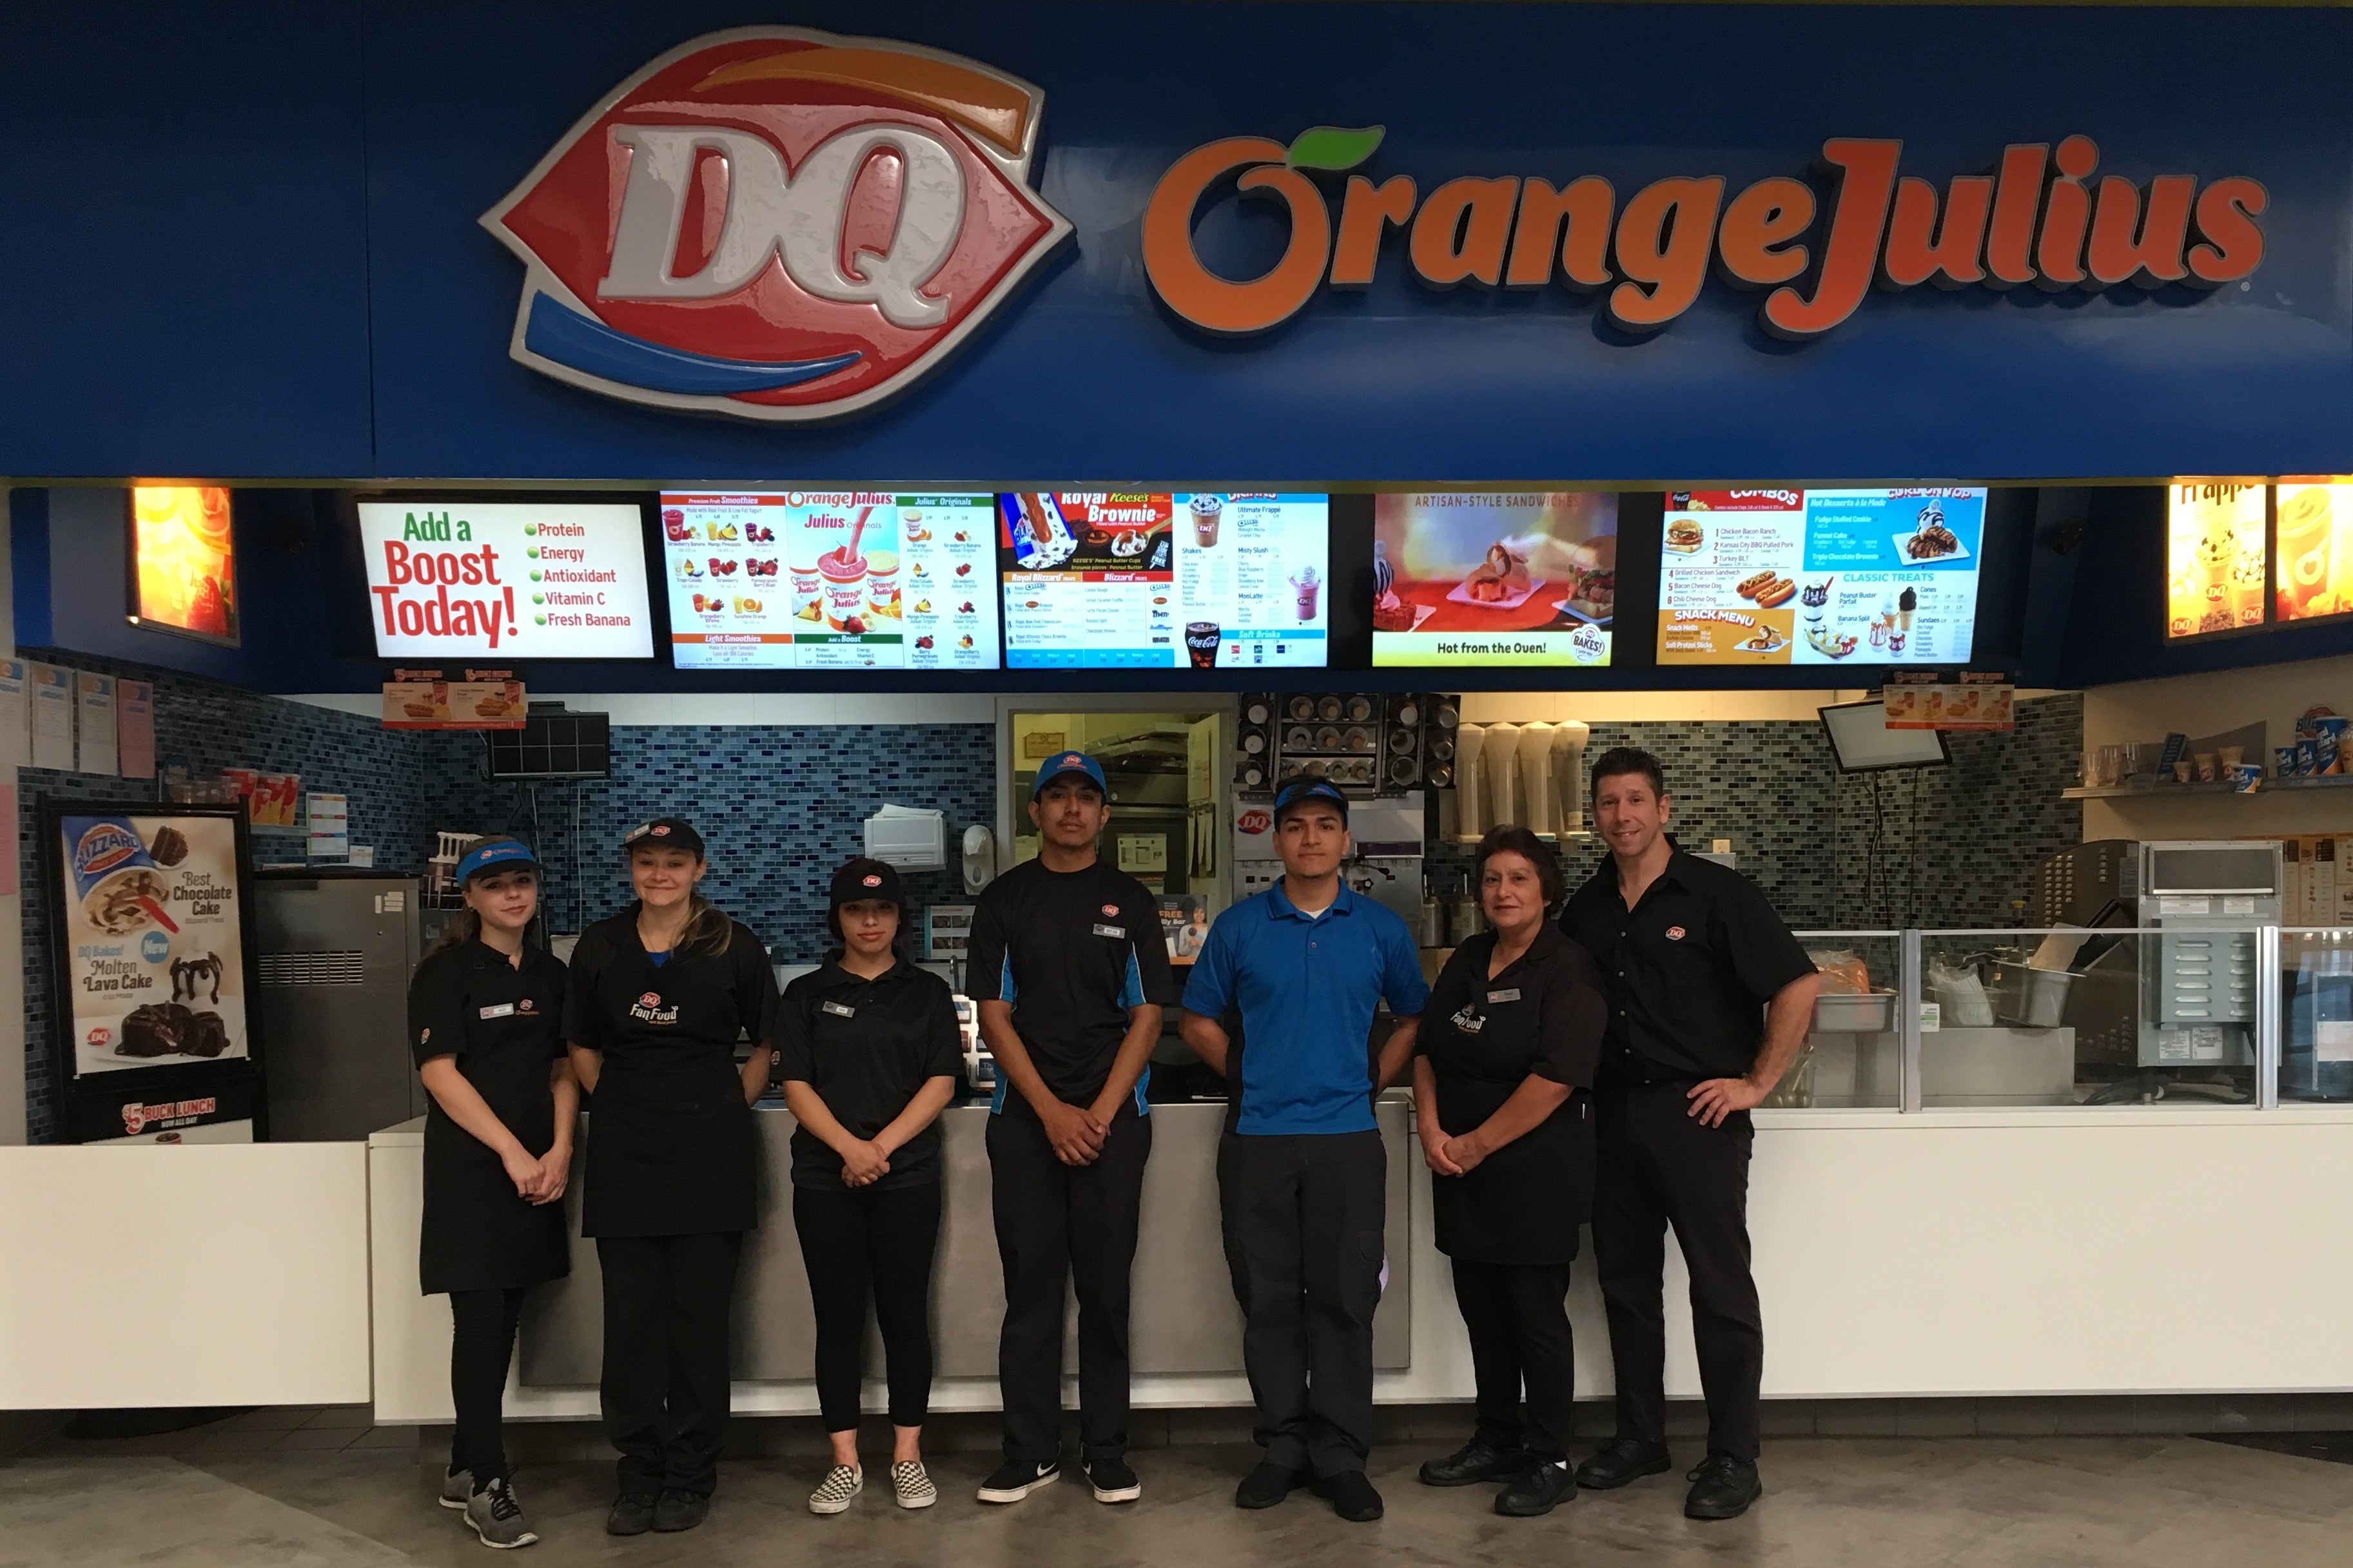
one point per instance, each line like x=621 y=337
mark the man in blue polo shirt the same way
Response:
x=1302 y=1177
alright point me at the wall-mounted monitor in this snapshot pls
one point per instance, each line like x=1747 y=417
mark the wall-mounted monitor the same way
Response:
x=184 y=562
x=500 y=581
x=1476 y=577
x=1821 y=577
x=830 y=580
x=1861 y=742
x=2215 y=576
x=1105 y=580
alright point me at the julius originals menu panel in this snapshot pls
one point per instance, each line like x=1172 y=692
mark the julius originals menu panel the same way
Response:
x=1109 y=580
x=1787 y=576
x=830 y=580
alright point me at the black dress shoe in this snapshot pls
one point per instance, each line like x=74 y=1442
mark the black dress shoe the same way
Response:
x=1721 y=1487
x=1475 y=1461
x=1625 y=1460
x=632 y=1515
x=1267 y=1485
x=1352 y=1497
x=1537 y=1490
x=677 y=1511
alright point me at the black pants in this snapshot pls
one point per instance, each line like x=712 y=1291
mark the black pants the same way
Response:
x=666 y=1300
x=1517 y=1315
x=862 y=1241
x=1304 y=1239
x=481 y=1343
x=1657 y=1165
x=1059 y=1223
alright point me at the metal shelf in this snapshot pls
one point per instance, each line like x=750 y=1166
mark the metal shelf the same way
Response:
x=2166 y=791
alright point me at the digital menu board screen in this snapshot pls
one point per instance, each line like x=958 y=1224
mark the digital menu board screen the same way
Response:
x=830 y=580
x=2215 y=578
x=1789 y=576
x=1104 y=579
x=1468 y=578
x=459 y=580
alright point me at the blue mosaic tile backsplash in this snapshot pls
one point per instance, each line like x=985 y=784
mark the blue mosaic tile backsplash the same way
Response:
x=780 y=809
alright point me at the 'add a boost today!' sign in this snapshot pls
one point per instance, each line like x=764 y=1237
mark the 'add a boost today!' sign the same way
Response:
x=520 y=581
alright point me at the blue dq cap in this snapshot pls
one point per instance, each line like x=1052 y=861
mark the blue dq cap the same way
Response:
x=1299 y=792
x=1063 y=765
x=492 y=853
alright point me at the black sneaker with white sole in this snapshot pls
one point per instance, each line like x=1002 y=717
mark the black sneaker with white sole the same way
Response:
x=1016 y=1479
x=1112 y=1481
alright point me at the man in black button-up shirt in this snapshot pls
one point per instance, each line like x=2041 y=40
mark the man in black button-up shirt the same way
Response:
x=1710 y=998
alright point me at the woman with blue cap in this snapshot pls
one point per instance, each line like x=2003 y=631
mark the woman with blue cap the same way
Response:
x=483 y=1014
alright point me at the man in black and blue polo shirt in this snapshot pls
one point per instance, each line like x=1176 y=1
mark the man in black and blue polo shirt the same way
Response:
x=1302 y=1177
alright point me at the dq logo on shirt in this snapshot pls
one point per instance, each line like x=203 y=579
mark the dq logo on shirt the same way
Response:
x=777 y=223
x=649 y=1010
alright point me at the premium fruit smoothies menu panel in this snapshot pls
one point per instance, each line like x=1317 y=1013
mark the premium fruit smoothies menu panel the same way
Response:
x=1111 y=580
x=1787 y=576
x=831 y=580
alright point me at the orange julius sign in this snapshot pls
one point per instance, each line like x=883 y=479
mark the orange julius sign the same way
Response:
x=2040 y=217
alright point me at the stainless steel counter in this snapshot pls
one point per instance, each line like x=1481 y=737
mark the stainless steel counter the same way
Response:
x=1183 y=1320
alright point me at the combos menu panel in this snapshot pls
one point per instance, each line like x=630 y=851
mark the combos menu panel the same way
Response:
x=830 y=580
x=1789 y=576
x=1105 y=580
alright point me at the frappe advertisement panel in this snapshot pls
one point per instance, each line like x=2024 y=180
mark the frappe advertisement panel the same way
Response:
x=2214 y=568
x=1102 y=580
x=152 y=938
x=458 y=581
x=830 y=580
x=1478 y=578
x=1790 y=576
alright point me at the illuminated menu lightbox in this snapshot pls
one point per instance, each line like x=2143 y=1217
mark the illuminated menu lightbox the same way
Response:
x=1791 y=576
x=2214 y=571
x=184 y=561
x=1104 y=580
x=830 y=580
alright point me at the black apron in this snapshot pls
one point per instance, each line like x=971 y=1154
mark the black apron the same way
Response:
x=1523 y=1204
x=499 y=1023
x=672 y=1150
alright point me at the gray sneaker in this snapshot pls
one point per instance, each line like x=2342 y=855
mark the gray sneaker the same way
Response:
x=497 y=1518
x=457 y=1486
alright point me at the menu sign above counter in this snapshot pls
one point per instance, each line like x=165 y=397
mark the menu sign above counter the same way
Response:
x=1111 y=580
x=1789 y=576
x=2214 y=570
x=457 y=580
x=830 y=580
x=1469 y=577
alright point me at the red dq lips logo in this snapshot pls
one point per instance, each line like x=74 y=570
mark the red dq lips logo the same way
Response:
x=777 y=223
x=650 y=999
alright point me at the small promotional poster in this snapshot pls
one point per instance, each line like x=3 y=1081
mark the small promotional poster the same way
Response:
x=151 y=939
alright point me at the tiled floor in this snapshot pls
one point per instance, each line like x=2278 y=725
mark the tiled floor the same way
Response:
x=293 y=1489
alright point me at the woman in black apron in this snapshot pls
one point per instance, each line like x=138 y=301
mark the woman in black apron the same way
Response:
x=1502 y=1088
x=660 y=996
x=868 y=1053
x=483 y=1012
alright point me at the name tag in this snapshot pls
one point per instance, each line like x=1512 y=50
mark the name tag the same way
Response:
x=1510 y=995
x=1111 y=930
x=838 y=1010
x=500 y=1010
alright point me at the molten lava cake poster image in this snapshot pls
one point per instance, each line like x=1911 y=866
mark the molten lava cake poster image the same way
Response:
x=150 y=936
x=1470 y=578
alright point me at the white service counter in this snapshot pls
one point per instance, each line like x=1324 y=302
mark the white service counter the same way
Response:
x=1967 y=1252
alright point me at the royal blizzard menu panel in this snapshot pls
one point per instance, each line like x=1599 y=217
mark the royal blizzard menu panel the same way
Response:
x=1465 y=577
x=833 y=580
x=1788 y=576
x=1107 y=580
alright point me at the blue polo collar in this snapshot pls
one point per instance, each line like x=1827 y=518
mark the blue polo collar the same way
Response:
x=1279 y=906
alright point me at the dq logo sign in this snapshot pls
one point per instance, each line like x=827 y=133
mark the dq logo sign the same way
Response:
x=2038 y=218
x=777 y=223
